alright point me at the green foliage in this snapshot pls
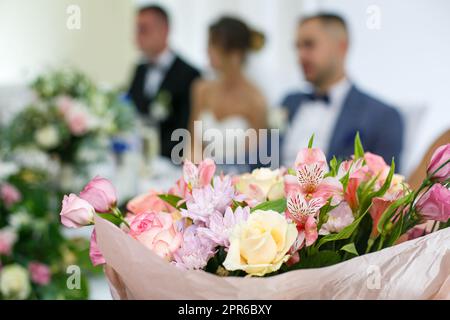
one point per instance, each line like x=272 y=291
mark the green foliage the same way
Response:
x=311 y=142
x=320 y=259
x=39 y=238
x=350 y=248
x=173 y=201
x=344 y=234
x=359 y=150
x=276 y=205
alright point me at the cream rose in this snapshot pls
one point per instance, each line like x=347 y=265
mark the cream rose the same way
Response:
x=260 y=245
x=47 y=137
x=262 y=184
x=15 y=282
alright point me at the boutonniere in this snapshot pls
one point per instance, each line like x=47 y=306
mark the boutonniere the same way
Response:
x=277 y=118
x=161 y=108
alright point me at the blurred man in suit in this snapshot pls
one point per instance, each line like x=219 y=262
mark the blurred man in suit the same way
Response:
x=162 y=82
x=335 y=109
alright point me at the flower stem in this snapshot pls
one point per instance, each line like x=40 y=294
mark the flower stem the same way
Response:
x=117 y=213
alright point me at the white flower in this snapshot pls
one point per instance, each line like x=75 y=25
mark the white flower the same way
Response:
x=15 y=282
x=7 y=169
x=261 y=184
x=47 y=137
x=20 y=219
x=159 y=112
x=261 y=244
x=33 y=158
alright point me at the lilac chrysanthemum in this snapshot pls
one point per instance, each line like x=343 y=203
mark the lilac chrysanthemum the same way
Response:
x=220 y=226
x=195 y=251
x=208 y=200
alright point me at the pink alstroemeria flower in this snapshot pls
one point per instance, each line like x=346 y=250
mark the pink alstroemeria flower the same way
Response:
x=304 y=213
x=311 y=167
x=201 y=176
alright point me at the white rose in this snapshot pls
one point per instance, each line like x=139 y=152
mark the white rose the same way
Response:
x=260 y=245
x=15 y=282
x=262 y=184
x=47 y=137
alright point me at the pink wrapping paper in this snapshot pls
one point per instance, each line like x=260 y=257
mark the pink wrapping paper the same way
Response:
x=417 y=269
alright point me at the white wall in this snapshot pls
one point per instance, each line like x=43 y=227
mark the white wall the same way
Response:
x=34 y=36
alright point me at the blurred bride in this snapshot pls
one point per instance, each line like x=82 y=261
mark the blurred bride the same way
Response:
x=230 y=101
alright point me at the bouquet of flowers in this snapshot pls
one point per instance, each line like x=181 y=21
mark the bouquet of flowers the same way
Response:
x=267 y=223
x=34 y=255
x=71 y=119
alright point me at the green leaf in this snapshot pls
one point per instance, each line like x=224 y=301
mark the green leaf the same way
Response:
x=311 y=142
x=334 y=167
x=344 y=234
x=173 y=200
x=345 y=179
x=350 y=248
x=387 y=183
x=111 y=218
x=276 y=205
x=359 y=150
x=367 y=200
x=323 y=214
x=292 y=172
x=321 y=259
x=389 y=213
x=396 y=232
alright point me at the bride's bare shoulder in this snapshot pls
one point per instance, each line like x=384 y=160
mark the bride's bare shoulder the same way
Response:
x=256 y=96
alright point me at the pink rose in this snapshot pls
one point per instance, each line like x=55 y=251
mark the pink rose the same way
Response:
x=440 y=156
x=7 y=240
x=146 y=203
x=9 y=194
x=76 y=212
x=94 y=251
x=40 y=273
x=64 y=104
x=100 y=193
x=435 y=204
x=157 y=232
x=78 y=123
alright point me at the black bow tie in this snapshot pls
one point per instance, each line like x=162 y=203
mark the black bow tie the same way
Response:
x=318 y=97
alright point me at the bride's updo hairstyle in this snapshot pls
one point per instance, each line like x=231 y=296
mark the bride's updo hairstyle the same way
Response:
x=231 y=34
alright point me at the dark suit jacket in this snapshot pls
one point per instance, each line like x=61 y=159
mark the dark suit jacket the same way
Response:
x=177 y=82
x=380 y=126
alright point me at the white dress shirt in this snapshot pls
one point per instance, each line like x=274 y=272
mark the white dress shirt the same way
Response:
x=156 y=73
x=314 y=117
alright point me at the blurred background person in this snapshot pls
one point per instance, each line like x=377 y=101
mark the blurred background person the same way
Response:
x=335 y=109
x=230 y=101
x=161 y=85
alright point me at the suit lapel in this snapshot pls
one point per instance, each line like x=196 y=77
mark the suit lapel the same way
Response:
x=166 y=82
x=346 y=125
x=293 y=106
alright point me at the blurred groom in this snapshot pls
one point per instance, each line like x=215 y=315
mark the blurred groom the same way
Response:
x=160 y=89
x=335 y=109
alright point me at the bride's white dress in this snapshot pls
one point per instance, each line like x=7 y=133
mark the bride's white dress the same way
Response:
x=224 y=140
